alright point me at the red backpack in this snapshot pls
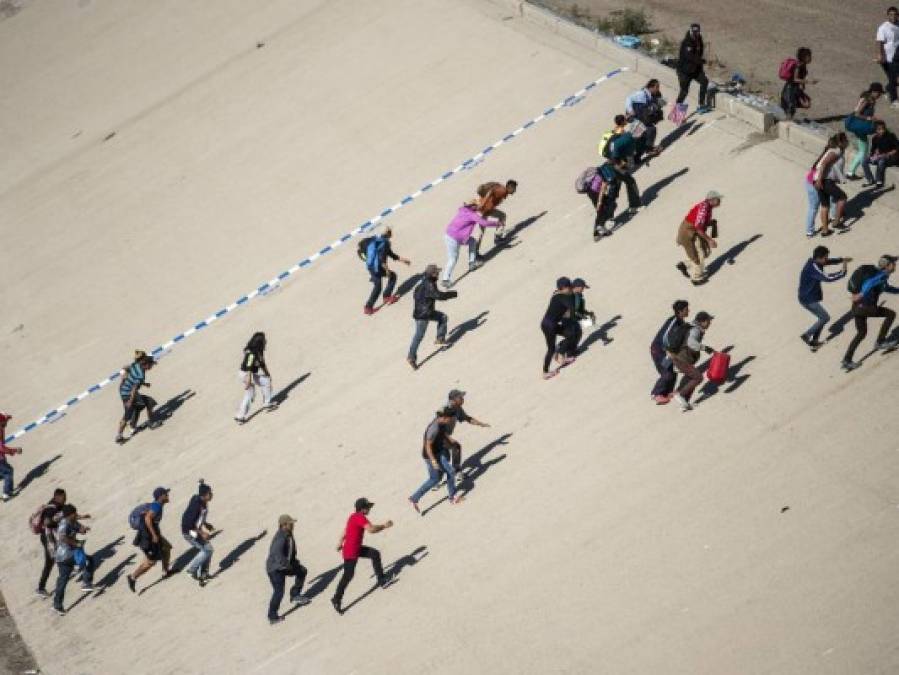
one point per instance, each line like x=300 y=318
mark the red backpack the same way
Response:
x=35 y=521
x=787 y=68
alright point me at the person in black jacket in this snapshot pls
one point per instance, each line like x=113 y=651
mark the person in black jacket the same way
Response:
x=690 y=64
x=426 y=295
x=197 y=531
x=282 y=563
x=559 y=320
x=664 y=386
x=254 y=371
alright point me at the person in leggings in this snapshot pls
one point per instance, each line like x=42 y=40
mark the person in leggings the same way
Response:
x=559 y=320
x=350 y=545
x=865 y=306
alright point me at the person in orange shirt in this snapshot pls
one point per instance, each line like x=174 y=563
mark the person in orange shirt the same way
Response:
x=490 y=196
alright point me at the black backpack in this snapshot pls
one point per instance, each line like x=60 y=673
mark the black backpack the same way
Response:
x=860 y=276
x=362 y=249
x=677 y=337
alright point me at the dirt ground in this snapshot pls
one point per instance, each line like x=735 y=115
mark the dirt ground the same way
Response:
x=752 y=38
x=14 y=657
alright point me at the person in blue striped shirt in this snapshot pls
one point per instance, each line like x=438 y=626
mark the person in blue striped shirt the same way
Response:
x=133 y=378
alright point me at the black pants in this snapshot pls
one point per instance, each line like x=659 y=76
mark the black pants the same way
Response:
x=646 y=142
x=48 y=563
x=892 y=72
x=861 y=314
x=605 y=210
x=349 y=569
x=667 y=377
x=630 y=184
x=279 y=579
x=376 y=286
x=684 y=80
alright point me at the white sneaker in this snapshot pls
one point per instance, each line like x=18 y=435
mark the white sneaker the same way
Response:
x=683 y=403
x=895 y=104
x=5 y=497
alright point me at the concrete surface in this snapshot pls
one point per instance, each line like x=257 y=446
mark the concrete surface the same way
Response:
x=756 y=534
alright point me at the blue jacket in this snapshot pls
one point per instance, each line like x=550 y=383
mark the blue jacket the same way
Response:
x=874 y=286
x=811 y=278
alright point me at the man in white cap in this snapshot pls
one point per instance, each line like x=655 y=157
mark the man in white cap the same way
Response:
x=696 y=235
x=282 y=563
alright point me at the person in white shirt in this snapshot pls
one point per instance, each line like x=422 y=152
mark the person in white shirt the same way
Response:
x=887 y=42
x=826 y=174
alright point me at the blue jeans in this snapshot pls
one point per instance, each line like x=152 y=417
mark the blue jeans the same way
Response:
x=452 y=254
x=434 y=478
x=818 y=310
x=202 y=559
x=814 y=202
x=6 y=473
x=66 y=569
x=421 y=325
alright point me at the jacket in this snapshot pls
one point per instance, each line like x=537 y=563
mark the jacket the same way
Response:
x=384 y=251
x=461 y=226
x=690 y=59
x=658 y=342
x=811 y=278
x=873 y=287
x=283 y=552
x=192 y=513
x=425 y=297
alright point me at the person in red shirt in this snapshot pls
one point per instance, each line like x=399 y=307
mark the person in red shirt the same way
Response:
x=350 y=545
x=6 y=470
x=696 y=235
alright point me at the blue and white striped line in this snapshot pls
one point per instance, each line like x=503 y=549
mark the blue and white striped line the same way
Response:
x=272 y=284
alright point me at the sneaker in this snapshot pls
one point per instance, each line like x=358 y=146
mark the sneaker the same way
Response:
x=391 y=299
x=368 y=311
x=809 y=235
x=633 y=210
x=59 y=610
x=853 y=177
x=335 y=603
x=703 y=109
x=806 y=339
x=386 y=580
x=879 y=185
x=457 y=499
x=5 y=497
x=87 y=588
x=886 y=344
x=415 y=506
x=240 y=420
x=868 y=183
x=849 y=366
x=684 y=404
x=42 y=593
x=551 y=374
x=895 y=104
x=412 y=363
x=699 y=282
x=682 y=268
x=276 y=620
x=300 y=600
x=661 y=400
x=132 y=584
x=119 y=439
x=441 y=342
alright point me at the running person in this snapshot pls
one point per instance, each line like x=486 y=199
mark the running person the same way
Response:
x=810 y=294
x=149 y=538
x=377 y=252
x=458 y=234
x=436 y=451
x=696 y=234
x=197 y=530
x=350 y=545
x=664 y=387
x=559 y=320
x=425 y=297
x=281 y=563
x=253 y=372
x=133 y=378
x=690 y=67
x=69 y=555
x=490 y=196
x=454 y=403
x=866 y=285
x=49 y=517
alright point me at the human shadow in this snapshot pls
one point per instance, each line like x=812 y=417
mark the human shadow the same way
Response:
x=600 y=333
x=36 y=472
x=651 y=193
x=284 y=393
x=393 y=570
x=408 y=285
x=233 y=556
x=167 y=409
x=474 y=465
x=456 y=334
x=730 y=255
x=112 y=576
x=510 y=240
x=320 y=584
x=734 y=380
x=99 y=557
x=860 y=201
x=838 y=326
x=678 y=132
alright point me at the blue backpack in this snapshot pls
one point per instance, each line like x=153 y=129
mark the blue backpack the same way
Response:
x=373 y=254
x=137 y=515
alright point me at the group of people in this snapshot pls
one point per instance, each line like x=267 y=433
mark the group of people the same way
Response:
x=677 y=347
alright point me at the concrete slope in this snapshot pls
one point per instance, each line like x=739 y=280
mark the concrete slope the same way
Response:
x=602 y=533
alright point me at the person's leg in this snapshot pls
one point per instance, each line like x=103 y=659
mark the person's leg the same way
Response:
x=452 y=256
x=48 y=563
x=665 y=384
x=432 y=480
x=450 y=472
x=391 y=284
x=860 y=158
x=866 y=168
x=456 y=457
x=65 y=570
x=892 y=72
x=633 y=192
x=860 y=316
x=549 y=334
x=650 y=137
x=888 y=317
x=881 y=172
x=703 y=88
x=421 y=325
x=442 y=323
x=472 y=245
x=165 y=554
x=839 y=197
x=194 y=565
x=249 y=395
x=299 y=576
x=692 y=379
x=265 y=384
x=349 y=570
x=702 y=253
x=87 y=574
x=374 y=555
x=693 y=261
x=684 y=82
x=375 y=289
x=822 y=317
x=498 y=232
x=6 y=472
x=824 y=210
x=572 y=333
x=277 y=580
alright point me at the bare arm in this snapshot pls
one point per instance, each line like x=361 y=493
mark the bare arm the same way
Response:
x=151 y=526
x=374 y=529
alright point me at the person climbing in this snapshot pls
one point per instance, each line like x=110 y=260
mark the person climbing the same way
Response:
x=697 y=234
x=375 y=252
x=425 y=296
x=810 y=294
x=866 y=284
x=662 y=390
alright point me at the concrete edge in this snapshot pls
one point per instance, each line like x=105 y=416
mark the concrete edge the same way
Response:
x=810 y=140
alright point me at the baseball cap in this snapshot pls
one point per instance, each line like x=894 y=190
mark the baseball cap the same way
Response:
x=704 y=316
x=158 y=492
x=563 y=282
x=283 y=519
x=363 y=503
x=714 y=194
x=455 y=393
x=431 y=270
x=886 y=260
x=580 y=282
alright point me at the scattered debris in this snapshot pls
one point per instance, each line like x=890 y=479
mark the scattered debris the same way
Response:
x=784 y=509
x=109 y=136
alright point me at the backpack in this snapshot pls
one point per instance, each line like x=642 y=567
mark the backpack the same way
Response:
x=362 y=248
x=787 y=68
x=677 y=337
x=860 y=276
x=620 y=145
x=137 y=514
x=604 y=143
x=35 y=521
x=585 y=179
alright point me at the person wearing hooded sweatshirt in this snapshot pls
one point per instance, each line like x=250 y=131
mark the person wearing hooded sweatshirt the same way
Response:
x=253 y=372
x=810 y=295
x=376 y=254
x=664 y=386
x=196 y=531
x=865 y=306
x=690 y=67
x=559 y=320
x=425 y=297
x=6 y=471
x=458 y=234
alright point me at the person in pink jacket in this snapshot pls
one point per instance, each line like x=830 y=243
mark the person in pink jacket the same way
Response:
x=458 y=233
